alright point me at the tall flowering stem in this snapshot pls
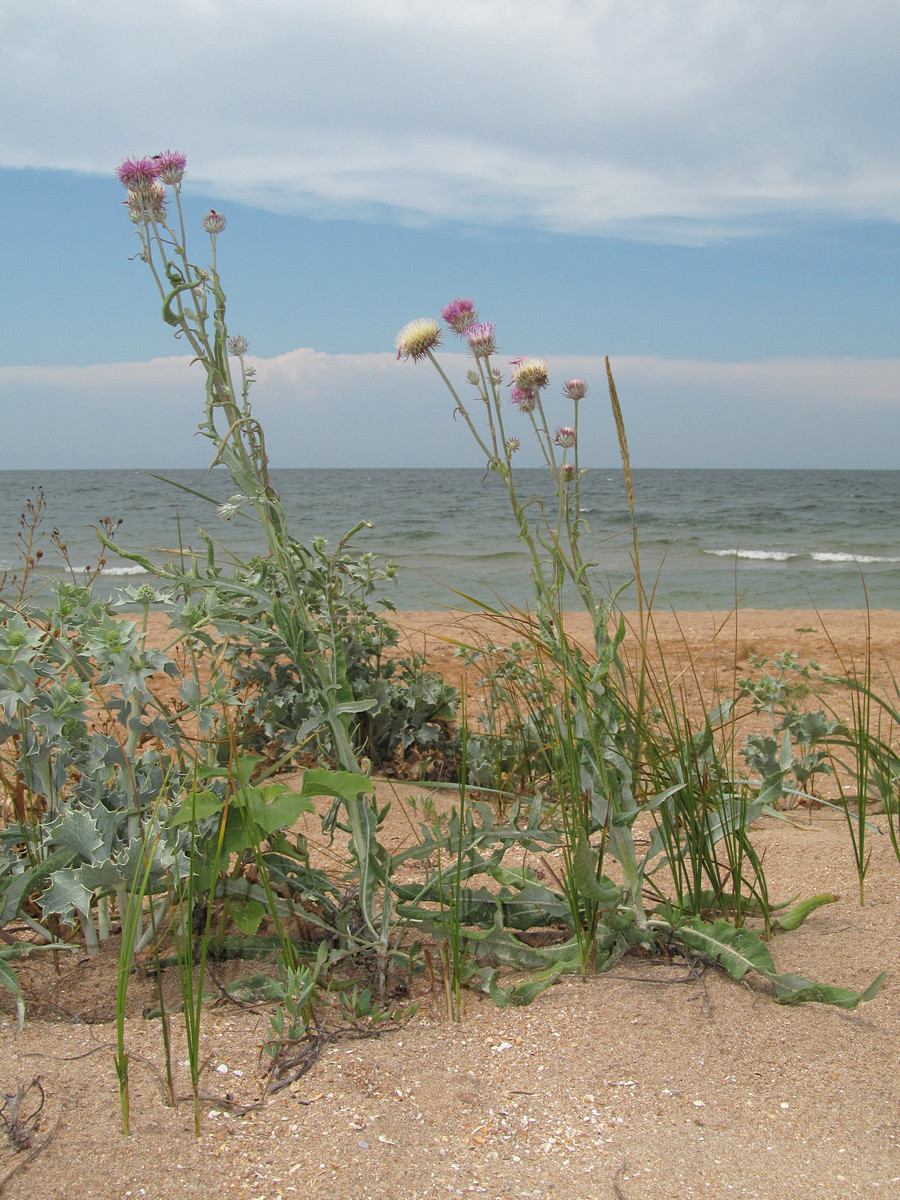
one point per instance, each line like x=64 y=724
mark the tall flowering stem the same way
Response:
x=194 y=305
x=593 y=722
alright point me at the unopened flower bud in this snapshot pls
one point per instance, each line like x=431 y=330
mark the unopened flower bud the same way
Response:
x=524 y=398
x=238 y=345
x=565 y=437
x=512 y=445
x=472 y=377
x=568 y=472
x=417 y=337
x=213 y=222
x=575 y=389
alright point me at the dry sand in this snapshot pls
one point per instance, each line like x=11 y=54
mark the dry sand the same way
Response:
x=647 y=1084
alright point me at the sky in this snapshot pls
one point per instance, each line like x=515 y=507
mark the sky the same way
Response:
x=707 y=191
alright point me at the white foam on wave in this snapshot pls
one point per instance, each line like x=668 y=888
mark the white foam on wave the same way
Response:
x=133 y=570
x=762 y=555
x=828 y=557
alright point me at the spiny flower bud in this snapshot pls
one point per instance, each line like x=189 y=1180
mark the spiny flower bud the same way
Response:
x=568 y=472
x=512 y=445
x=575 y=389
x=565 y=437
x=417 y=337
x=460 y=315
x=213 y=222
x=472 y=377
x=238 y=345
x=524 y=398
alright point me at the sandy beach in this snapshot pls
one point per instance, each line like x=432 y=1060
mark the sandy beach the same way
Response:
x=650 y=1083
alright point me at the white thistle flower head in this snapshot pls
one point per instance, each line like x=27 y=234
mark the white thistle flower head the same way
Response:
x=213 y=222
x=531 y=374
x=238 y=345
x=417 y=337
x=565 y=437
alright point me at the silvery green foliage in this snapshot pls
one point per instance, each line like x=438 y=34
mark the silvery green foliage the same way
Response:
x=91 y=791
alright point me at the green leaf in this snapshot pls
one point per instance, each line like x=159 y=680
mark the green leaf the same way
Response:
x=521 y=994
x=737 y=950
x=247 y=915
x=794 y=989
x=795 y=918
x=197 y=807
x=584 y=873
x=10 y=981
x=344 y=785
x=280 y=810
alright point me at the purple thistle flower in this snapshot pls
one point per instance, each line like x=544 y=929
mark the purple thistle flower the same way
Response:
x=137 y=174
x=575 y=389
x=170 y=165
x=213 y=222
x=460 y=314
x=565 y=437
x=481 y=339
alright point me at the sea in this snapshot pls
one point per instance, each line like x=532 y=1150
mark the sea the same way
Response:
x=707 y=538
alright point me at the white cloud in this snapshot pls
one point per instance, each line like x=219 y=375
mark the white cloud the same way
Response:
x=675 y=121
x=370 y=410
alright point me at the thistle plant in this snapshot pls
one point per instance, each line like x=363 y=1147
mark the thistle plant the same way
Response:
x=194 y=305
x=594 y=761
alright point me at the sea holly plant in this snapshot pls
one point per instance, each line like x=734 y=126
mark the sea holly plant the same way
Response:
x=594 y=747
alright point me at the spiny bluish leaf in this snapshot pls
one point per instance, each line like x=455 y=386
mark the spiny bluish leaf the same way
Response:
x=75 y=830
x=65 y=896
